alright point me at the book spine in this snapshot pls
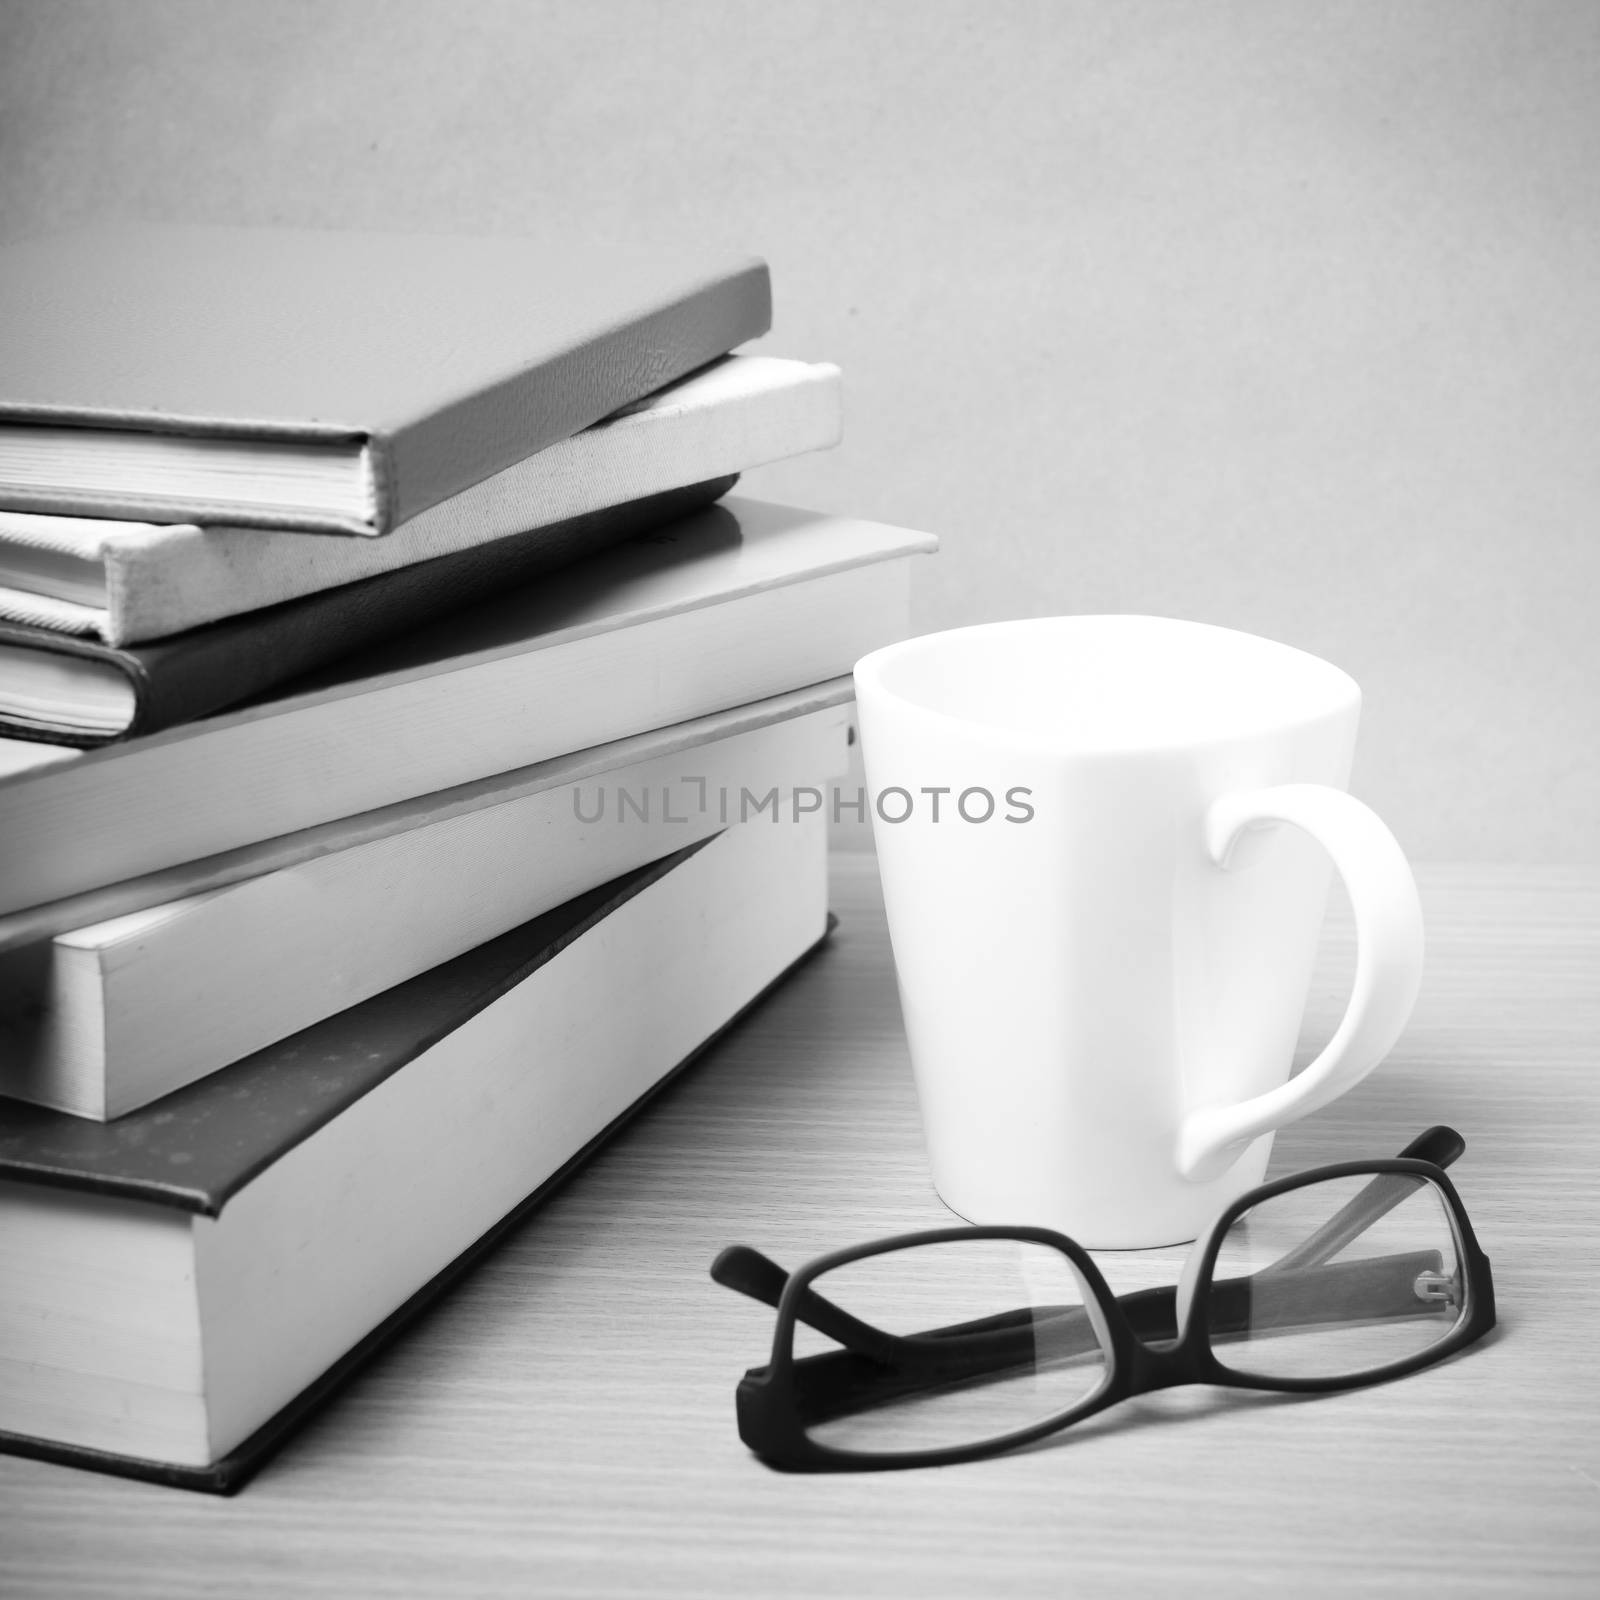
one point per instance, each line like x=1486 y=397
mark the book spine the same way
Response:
x=417 y=465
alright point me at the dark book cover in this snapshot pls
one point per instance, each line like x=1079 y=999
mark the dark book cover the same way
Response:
x=443 y=359
x=190 y=675
x=198 y=1147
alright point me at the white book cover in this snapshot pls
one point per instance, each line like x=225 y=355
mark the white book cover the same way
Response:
x=125 y=582
x=105 y=1018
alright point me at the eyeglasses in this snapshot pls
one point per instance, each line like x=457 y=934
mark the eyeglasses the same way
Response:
x=934 y=1348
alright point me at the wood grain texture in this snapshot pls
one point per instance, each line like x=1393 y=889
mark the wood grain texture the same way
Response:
x=563 y=1423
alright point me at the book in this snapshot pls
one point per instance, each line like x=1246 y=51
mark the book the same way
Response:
x=178 y=1290
x=126 y=582
x=581 y=768
x=740 y=602
x=106 y=1018
x=63 y=689
x=327 y=381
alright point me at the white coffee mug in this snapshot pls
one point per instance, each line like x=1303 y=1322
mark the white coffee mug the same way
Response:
x=1105 y=844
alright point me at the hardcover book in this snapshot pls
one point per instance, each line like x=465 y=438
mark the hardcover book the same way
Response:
x=737 y=603
x=126 y=582
x=571 y=774
x=327 y=381
x=180 y=1288
x=105 y=1018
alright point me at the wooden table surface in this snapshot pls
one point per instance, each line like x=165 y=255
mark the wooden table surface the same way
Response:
x=563 y=1423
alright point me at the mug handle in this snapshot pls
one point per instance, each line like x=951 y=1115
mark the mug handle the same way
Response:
x=1388 y=917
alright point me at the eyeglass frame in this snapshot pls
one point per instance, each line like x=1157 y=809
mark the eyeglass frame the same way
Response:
x=767 y=1401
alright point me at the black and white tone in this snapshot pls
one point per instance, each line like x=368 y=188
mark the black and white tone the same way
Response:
x=929 y=660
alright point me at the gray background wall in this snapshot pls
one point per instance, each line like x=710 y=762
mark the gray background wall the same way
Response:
x=1279 y=315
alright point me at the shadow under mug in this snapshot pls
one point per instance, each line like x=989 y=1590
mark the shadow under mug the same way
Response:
x=1105 y=845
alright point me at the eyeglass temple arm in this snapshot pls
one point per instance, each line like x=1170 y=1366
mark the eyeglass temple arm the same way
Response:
x=1439 y=1145
x=748 y=1272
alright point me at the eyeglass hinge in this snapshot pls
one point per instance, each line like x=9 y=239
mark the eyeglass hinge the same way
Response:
x=1435 y=1287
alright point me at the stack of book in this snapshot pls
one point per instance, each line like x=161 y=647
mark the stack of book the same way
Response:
x=410 y=760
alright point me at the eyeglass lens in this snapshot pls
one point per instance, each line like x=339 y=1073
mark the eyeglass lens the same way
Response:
x=967 y=1340
x=1294 y=1295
